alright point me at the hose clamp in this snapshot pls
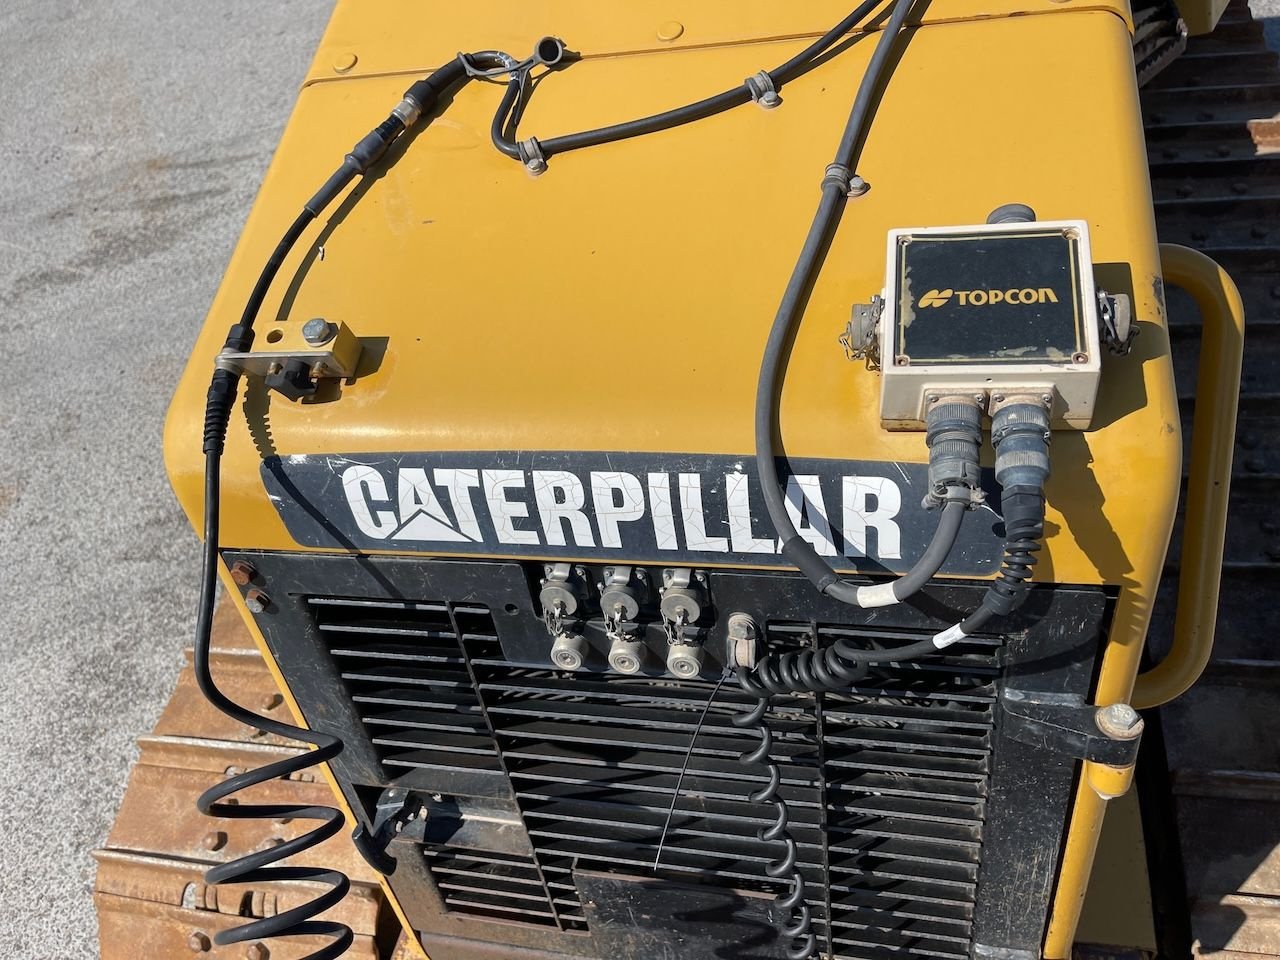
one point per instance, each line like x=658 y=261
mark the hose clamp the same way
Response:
x=763 y=91
x=531 y=155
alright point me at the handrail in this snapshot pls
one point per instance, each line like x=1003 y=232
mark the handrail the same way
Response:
x=1213 y=432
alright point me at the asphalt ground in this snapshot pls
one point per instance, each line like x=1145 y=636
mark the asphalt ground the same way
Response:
x=135 y=134
x=133 y=137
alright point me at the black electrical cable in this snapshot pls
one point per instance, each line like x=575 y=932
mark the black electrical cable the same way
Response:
x=258 y=867
x=261 y=866
x=689 y=113
x=791 y=903
x=840 y=664
x=835 y=189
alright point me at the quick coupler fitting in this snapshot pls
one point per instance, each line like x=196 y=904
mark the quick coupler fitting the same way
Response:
x=953 y=433
x=1020 y=435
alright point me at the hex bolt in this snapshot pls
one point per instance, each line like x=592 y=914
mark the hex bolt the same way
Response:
x=257 y=951
x=318 y=331
x=243 y=572
x=256 y=601
x=199 y=942
x=272 y=700
x=214 y=840
x=1119 y=721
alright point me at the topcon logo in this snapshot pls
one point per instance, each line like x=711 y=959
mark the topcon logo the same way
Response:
x=981 y=298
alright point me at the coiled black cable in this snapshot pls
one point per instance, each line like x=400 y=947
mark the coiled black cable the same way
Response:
x=798 y=927
x=258 y=867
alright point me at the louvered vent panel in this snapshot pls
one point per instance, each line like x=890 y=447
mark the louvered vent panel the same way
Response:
x=885 y=786
x=905 y=763
x=403 y=667
x=496 y=886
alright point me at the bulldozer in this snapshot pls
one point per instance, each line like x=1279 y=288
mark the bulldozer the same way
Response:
x=658 y=514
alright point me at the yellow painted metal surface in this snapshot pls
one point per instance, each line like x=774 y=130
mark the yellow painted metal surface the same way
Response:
x=622 y=300
x=395 y=37
x=1117 y=908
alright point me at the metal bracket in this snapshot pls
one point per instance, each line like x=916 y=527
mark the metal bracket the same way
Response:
x=1068 y=726
x=1115 y=319
x=393 y=810
x=861 y=338
x=293 y=369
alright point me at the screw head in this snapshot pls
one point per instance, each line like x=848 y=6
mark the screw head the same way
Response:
x=272 y=700
x=1080 y=358
x=318 y=330
x=199 y=942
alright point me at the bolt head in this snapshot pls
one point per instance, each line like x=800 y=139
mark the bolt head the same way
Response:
x=256 y=601
x=199 y=942
x=257 y=951
x=318 y=330
x=1119 y=721
x=243 y=572
x=272 y=700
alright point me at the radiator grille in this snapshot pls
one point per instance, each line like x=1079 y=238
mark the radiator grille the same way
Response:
x=885 y=785
x=403 y=667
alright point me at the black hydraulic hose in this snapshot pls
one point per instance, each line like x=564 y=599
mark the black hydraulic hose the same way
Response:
x=689 y=113
x=835 y=188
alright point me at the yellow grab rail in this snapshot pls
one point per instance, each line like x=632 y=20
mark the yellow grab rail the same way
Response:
x=1213 y=432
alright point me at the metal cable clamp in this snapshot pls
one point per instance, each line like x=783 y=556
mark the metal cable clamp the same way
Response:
x=763 y=91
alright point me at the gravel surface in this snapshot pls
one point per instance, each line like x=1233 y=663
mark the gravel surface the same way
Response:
x=135 y=135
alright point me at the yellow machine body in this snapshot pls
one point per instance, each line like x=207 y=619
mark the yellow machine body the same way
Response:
x=621 y=301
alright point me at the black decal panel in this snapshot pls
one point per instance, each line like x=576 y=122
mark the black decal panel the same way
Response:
x=687 y=508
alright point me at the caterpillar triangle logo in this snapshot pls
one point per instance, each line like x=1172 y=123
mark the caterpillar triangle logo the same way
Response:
x=936 y=298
